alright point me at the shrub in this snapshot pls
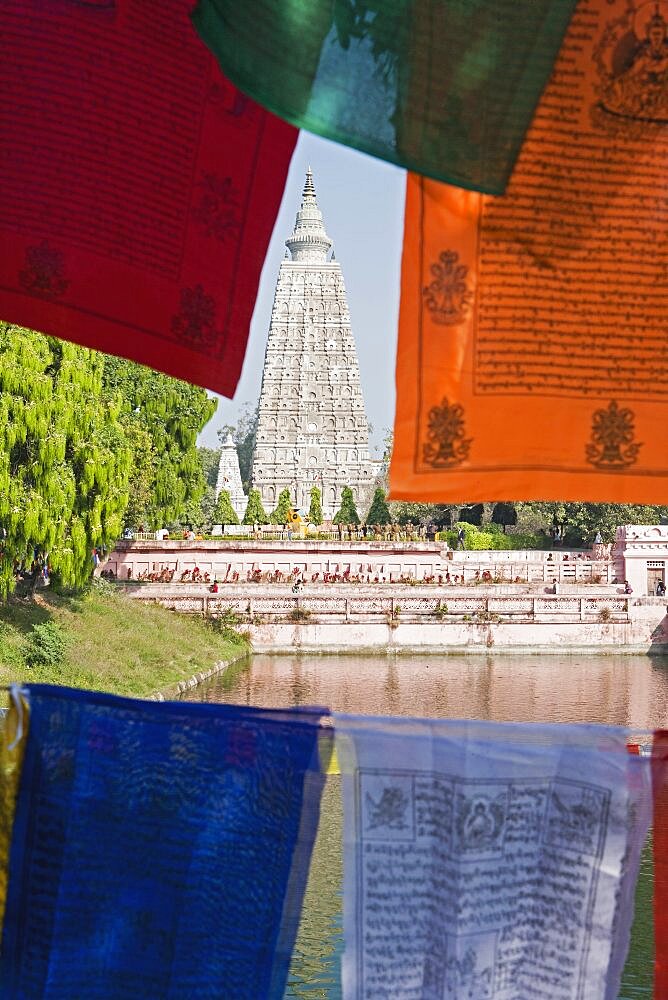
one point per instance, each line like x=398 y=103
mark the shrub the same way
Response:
x=225 y=618
x=283 y=508
x=472 y=514
x=224 y=512
x=46 y=645
x=255 y=512
x=99 y=585
x=604 y=614
x=491 y=537
x=379 y=512
x=315 y=510
x=299 y=615
x=11 y=652
x=347 y=512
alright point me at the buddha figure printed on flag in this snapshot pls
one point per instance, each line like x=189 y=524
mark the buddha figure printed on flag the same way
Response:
x=632 y=60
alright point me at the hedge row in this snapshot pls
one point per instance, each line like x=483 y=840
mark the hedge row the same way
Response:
x=491 y=536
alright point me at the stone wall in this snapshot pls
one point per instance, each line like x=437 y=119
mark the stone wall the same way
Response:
x=408 y=637
x=420 y=618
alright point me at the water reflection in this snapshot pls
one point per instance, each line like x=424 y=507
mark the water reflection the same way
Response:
x=622 y=690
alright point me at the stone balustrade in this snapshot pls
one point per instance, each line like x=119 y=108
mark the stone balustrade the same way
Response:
x=384 y=562
x=368 y=605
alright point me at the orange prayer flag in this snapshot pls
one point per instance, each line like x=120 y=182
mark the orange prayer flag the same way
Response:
x=533 y=348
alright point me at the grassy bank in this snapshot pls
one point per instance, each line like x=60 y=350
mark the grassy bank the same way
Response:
x=107 y=642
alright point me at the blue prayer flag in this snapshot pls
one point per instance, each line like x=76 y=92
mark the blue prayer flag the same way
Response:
x=159 y=849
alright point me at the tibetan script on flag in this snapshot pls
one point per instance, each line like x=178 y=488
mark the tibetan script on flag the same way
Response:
x=488 y=861
x=139 y=187
x=533 y=345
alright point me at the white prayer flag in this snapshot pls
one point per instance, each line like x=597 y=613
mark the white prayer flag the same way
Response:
x=488 y=861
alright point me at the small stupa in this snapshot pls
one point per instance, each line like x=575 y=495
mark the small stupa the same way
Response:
x=229 y=476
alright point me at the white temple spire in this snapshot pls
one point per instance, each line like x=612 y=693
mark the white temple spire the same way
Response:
x=309 y=240
x=312 y=428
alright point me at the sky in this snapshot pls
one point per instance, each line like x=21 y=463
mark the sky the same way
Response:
x=362 y=201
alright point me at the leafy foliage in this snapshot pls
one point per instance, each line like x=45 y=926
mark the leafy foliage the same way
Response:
x=379 y=512
x=580 y=521
x=143 y=471
x=347 y=512
x=504 y=514
x=315 y=510
x=172 y=413
x=491 y=537
x=422 y=513
x=209 y=460
x=473 y=514
x=46 y=645
x=65 y=459
x=283 y=508
x=224 y=512
x=255 y=512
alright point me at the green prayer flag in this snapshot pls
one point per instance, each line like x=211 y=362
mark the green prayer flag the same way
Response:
x=446 y=88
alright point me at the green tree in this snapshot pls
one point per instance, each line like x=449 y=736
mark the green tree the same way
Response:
x=65 y=459
x=199 y=513
x=315 y=510
x=504 y=514
x=472 y=514
x=379 y=512
x=422 y=513
x=224 y=513
x=255 y=512
x=579 y=521
x=173 y=413
x=142 y=473
x=347 y=512
x=283 y=508
x=209 y=459
x=243 y=434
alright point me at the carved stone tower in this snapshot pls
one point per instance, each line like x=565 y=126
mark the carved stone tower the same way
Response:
x=312 y=428
x=229 y=476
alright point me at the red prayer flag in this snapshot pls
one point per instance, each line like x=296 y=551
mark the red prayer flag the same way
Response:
x=139 y=188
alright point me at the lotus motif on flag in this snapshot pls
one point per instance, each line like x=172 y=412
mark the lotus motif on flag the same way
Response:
x=448 y=297
x=44 y=271
x=446 y=444
x=195 y=323
x=612 y=446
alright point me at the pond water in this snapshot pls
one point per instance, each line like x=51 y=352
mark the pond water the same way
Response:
x=622 y=690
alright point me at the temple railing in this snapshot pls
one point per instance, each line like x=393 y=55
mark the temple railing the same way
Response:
x=438 y=607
